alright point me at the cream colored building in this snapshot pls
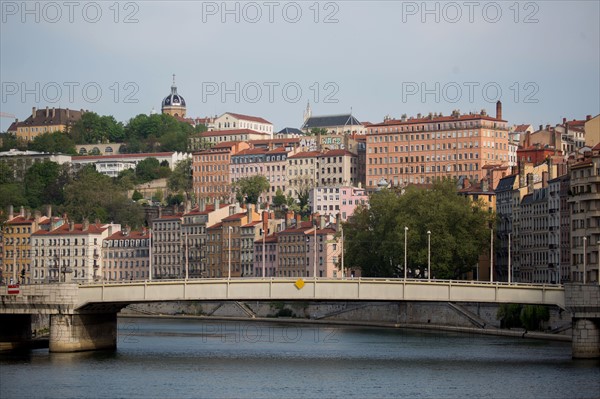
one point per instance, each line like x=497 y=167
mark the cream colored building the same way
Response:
x=233 y=121
x=592 y=131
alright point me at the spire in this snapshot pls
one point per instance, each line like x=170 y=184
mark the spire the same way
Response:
x=307 y=112
x=173 y=87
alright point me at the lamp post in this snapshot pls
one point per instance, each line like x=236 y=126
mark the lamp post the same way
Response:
x=509 y=269
x=598 y=273
x=229 y=255
x=405 y=259
x=428 y=255
x=584 y=260
x=315 y=263
x=491 y=253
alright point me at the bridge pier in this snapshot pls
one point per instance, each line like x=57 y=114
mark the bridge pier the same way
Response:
x=16 y=332
x=586 y=338
x=83 y=332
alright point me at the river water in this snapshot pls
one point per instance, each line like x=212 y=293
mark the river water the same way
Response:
x=166 y=358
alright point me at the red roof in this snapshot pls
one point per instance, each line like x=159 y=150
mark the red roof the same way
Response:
x=77 y=229
x=20 y=220
x=275 y=141
x=521 y=128
x=252 y=151
x=306 y=154
x=335 y=153
x=208 y=209
x=215 y=226
x=249 y=118
x=132 y=235
x=236 y=216
x=215 y=133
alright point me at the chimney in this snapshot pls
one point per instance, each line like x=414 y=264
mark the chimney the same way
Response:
x=298 y=219
x=67 y=113
x=86 y=225
x=564 y=120
x=529 y=183
x=249 y=212
x=548 y=127
x=47 y=112
x=322 y=221
x=71 y=226
x=499 y=109
x=53 y=112
x=541 y=127
x=33 y=110
x=338 y=221
x=521 y=174
x=485 y=185
x=544 y=179
x=28 y=214
x=588 y=117
x=217 y=204
x=10 y=212
x=188 y=206
x=49 y=211
x=550 y=169
x=22 y=212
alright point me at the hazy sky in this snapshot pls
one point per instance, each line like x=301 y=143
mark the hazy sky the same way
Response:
x=540 y=58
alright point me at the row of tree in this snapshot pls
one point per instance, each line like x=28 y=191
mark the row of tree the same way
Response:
x=143 y=133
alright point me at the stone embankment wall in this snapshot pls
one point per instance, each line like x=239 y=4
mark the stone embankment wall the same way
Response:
x=467 y=315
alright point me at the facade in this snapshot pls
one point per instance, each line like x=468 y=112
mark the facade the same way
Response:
x=195 y=223
x=167 y=246
x=269 y=260
x=294 y=250
x=18 y=254
x=220 y=136
x=211 y=170
x=126 y=255
x=44 y=121
x=585 y=218
x=265 y=162
x=535 y=248
x=301 y=172
x=70 y=252
x=337 y=168
x=337 y=201
x=249 y=233
x=100 y=149
x=20 y=161
x=592 y=131
x=233 y=121
x=424 y=149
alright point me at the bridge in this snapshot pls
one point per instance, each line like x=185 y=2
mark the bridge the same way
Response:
x=83 y=317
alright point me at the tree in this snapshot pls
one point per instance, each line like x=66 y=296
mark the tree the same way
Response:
x=92 y=128
x=93 y=196
x=44 y=184
x=149 y=169
x=375 y=235
x=181 y=178
x=136 y=196
x=533 y=316
x=315 y=131
x=55 y=142
x=12 y=194
x=300 y=204
x=250 y=188
x=279 y=200
x=10 y=141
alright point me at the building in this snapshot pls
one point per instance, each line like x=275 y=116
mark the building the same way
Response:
x=100 y=148
x=342 y=124
x=536 y=251
x=337 y=201
x=233 y=121
x=195 y=223
x=17 y=249
x=20 y=161
x=167 y=246
x=211 y=170
x=294 y=249
x=70 y=252
x=44 y=121
x=174 y=104
x=270 y=163
x=112 y=165
x=301 y=172
x=126 y=255
x=584 y=203
x=424 y=149
x=337 y=168
x=210 y=138
x=269 y=261
x=592 y=131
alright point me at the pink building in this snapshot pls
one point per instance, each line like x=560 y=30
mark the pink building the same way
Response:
x=334 y=201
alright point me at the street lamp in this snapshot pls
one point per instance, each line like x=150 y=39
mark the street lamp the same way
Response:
x=491 y=253
x=405 y=242
x=229 y=255
x=598 y=273
x=584 y=260
x=428 y=255
x=509 y=269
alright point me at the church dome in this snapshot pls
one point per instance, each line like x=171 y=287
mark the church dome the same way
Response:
x=173 y=104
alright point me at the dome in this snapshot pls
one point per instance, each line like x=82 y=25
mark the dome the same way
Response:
x=173 y=99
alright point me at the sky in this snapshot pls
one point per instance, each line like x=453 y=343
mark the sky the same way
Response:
x=270 y=58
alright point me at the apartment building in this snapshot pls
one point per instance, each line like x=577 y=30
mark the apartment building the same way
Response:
x=167 y=246
x=211 y=170
x=232 y=121
x=585 y=217
x=126 y=255
x=42 y=121
x=334 y=201
x=424 y=149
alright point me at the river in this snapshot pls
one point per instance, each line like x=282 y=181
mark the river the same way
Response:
x=181 y=358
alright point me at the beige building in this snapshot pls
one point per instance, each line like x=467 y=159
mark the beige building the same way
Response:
x=44 y=121
x=233 y=121
x=70 y=252
x=592 y=131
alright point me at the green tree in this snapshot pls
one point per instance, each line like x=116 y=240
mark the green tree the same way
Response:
x=317 y=130
x=533 y=316
x=92 y=128
x=7 y=174
x=250 y=188
x=10 y=141
x=136 y=196
x=44 y=182
x=12 y=194
x=94 y=196
x=55 y=142
x=180 y=179
x=279 y=200
x=509 y=315
x=375 y=235
x=300 y=204
x=150 y=169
